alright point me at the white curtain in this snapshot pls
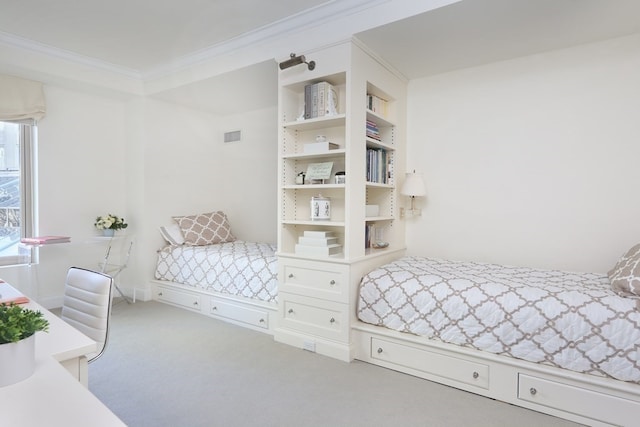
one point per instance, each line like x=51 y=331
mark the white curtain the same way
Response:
x=20 y=99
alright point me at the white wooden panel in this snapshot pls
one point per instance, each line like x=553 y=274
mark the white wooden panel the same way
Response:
x=577 y=400
x=253 y=317
x=182 y=299
x=317 y=317
x=433 y=363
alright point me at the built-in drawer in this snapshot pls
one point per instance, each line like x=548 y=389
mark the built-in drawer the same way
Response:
x=239 y=313
x=579 y=401
x=319 y=280
x=448 y=367
x=183 y=299
x=322 y=318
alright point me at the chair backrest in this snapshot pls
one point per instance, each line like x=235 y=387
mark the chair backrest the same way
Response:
x=87 y=305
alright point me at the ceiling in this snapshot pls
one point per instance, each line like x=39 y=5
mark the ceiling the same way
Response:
x=143 y=35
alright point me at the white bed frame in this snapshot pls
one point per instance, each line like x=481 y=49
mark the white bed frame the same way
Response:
x=573 y=396
x=582 y=398
x=249 y=313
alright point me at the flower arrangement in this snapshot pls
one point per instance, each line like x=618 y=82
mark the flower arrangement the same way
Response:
x=110 y=222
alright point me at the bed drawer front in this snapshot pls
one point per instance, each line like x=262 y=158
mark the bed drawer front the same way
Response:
x=432 y=363
x=183 y=299
x=578 y=400
x=320 y=281
x=241 y=314
x=325 y=319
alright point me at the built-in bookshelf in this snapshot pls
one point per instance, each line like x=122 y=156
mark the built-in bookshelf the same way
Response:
x=359 y=137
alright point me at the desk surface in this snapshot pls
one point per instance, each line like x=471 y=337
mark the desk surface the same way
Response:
x=52 y=396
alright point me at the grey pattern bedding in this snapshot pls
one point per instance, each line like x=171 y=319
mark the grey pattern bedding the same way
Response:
x=568 y=320
x=237 y=268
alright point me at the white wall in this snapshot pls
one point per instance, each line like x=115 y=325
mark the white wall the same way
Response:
x=188 y=169
x=532 y=161
x=81 y=175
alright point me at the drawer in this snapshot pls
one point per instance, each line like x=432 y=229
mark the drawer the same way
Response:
x=319 y=280
x=239 y=313
x=577 y=400
x=183 y=299
x=440 y=365
x=325 y=319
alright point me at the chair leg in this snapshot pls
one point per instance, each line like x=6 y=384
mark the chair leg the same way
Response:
x=121 y=293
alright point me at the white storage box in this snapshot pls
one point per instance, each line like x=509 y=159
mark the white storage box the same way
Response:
x=319 y=147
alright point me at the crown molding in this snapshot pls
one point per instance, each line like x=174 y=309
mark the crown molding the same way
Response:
x=21 y=43
x=306 y=19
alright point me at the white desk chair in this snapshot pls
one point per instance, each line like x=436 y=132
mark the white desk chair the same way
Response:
x=87 y=305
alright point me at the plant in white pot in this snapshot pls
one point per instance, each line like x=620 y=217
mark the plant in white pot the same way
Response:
x=18 y=326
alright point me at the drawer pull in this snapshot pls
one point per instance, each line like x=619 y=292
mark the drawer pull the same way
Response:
x=379 y=350
x=214 y=308
x=290 y=311
x=159 y=294
x=290 y=275
x=533 y=391
x=333 y=282
x=332 y=320
x=195 y=303
x=261 y=320
x=475 y=375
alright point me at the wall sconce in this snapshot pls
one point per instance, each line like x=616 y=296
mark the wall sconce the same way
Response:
x=413 y=187
x=297 y=60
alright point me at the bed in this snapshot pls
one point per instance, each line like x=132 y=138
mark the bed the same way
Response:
x=559 y=342
x=204 y=267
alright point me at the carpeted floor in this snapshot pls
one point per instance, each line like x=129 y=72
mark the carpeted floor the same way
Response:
x=166 y=366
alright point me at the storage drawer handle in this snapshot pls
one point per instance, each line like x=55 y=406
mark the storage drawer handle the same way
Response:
x=195 y=303
x=475 y=375
x=290 y=275
x=261 y=320
x=533 y=391
x=214 y=308
x=159 y=294
x=379 y=350
x=333 y=282
x=332 y=320
x=290 y=311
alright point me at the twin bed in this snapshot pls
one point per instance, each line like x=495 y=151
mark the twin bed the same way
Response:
x=567 y=344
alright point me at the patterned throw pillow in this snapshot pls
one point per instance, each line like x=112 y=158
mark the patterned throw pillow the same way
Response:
x=172 y=234
x=625 y=276
x=205 y=229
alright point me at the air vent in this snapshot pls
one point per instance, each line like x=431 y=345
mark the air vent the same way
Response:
x=232 y=136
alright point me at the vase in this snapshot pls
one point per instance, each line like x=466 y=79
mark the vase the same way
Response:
x=108 y=232
x=17 y=361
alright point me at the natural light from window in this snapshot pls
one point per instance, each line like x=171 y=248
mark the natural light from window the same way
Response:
x=10 y=221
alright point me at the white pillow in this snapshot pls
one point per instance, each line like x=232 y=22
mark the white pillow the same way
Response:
x=172 y=234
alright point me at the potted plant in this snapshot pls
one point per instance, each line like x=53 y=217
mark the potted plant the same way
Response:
x=109 y=224
x=18 y=326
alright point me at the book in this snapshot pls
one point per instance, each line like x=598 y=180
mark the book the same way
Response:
x=318 y=234
x=317 y=241
x=45 y=240
x=318 y=250
x=8 y=295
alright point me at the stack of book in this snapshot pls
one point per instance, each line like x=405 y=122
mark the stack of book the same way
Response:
x=373 y=131
x=45 y=240
x=320 y=99
x=377 y=105
x=378 y=166
x=318 y=243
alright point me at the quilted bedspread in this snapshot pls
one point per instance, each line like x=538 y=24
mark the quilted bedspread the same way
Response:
x=568 y=320
x=238 y=268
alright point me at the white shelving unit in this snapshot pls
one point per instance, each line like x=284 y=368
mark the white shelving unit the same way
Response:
x=317 y=294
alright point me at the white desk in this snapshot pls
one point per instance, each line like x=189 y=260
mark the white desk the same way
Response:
x=54 y=396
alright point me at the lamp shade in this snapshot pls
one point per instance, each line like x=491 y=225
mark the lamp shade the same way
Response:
x=413 y=185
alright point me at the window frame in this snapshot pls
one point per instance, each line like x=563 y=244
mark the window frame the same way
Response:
x=28 y=193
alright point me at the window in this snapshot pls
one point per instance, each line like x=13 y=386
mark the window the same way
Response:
x=17 y=146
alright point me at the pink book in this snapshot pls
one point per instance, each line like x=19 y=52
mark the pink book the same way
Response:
x=45 y=240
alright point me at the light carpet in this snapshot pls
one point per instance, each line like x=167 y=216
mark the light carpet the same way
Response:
x=165 y=366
